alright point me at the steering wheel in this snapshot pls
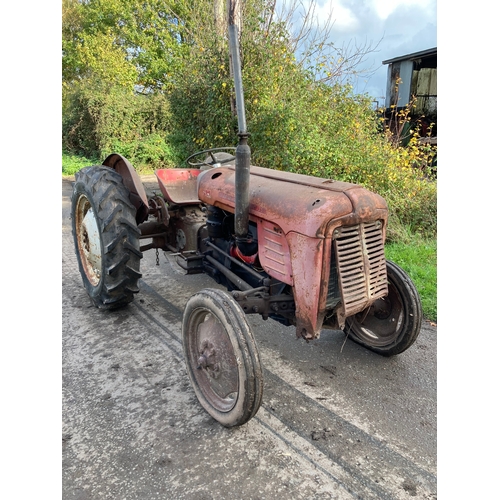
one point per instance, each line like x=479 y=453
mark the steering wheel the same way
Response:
x=213 y=153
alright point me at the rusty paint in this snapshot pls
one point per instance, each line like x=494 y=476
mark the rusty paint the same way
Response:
x=296 y=216
x=292 y=201
x=274 y=252
x=306 y=257
x=132 y=182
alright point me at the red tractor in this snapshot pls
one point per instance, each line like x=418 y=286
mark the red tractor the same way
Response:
x=301 y=250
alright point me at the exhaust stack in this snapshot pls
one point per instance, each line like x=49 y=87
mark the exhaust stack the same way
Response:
x=244 y=241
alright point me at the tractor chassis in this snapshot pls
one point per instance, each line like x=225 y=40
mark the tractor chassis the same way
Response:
x=252 y=299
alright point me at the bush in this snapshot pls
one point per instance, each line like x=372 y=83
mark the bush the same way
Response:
x=101 y=120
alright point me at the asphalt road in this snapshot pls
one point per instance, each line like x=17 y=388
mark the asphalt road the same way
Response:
x=337 y=421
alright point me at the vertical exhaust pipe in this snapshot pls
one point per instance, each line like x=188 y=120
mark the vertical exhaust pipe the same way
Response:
x=244 y=240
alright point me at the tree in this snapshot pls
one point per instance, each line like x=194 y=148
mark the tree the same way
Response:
x=137 y=44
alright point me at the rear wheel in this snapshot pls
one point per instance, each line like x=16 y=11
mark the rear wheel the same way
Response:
x=106 y=237
x=222 y=359
x=392 y=324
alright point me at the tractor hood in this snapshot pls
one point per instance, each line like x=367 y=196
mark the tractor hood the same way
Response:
x=294 y=202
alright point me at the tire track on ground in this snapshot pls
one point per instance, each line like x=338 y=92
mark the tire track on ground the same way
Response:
x=363 y=465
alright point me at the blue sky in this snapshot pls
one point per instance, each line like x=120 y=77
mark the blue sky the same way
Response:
x=396 y=27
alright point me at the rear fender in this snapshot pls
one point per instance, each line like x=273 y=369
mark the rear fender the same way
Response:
x=132 y=182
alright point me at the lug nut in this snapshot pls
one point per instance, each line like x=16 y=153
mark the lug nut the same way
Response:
x=202 y=362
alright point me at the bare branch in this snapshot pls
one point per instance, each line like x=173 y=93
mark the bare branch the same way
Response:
x=311 y=41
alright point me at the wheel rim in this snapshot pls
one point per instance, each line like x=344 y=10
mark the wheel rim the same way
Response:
x=380 y=324
x=212 y=359
x=88 y=240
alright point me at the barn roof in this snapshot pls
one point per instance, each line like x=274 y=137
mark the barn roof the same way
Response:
x=412 y=56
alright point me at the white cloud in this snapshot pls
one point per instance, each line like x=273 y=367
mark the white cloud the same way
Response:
x=342 y=16
x=384 y=8
x=392 y=27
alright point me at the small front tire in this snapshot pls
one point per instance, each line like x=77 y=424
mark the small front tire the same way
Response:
x=221 y=356
x=392 y=324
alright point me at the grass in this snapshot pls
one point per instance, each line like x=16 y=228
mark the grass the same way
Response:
x=416 y=256
x=419 y=260
x=72 y=163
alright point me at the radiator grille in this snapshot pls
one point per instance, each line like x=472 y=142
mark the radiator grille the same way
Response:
x=333 y=296
x=360 y=266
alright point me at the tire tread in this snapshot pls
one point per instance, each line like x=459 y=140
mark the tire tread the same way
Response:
x=115 y=215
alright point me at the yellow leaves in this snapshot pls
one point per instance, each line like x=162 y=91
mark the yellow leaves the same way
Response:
x=103 y=56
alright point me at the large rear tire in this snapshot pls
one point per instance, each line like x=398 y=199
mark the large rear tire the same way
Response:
x=106 y=237
x=221 y=356
x=392 y=324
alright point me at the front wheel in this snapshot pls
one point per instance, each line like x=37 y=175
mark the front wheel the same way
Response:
x=391 y=324
x=106 y=237
x=221 y=356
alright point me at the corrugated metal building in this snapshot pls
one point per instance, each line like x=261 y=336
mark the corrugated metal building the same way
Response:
x=413 y=75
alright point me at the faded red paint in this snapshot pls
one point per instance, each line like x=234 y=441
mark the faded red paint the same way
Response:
x=295 y=216
x=274 y=252
x=306 y=255
x=179 y=185
x=292 y=201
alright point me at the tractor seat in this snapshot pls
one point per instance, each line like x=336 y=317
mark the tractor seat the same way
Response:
x=179 y=185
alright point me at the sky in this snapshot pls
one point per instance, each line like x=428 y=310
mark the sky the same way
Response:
x=395 y=27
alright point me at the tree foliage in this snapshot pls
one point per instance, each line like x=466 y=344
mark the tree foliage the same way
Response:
x=100 y=120
x=131 y=43
x=151 y=79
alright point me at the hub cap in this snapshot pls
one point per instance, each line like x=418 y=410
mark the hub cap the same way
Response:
x=380 y=325
x=89 y=241
x=216 y=365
